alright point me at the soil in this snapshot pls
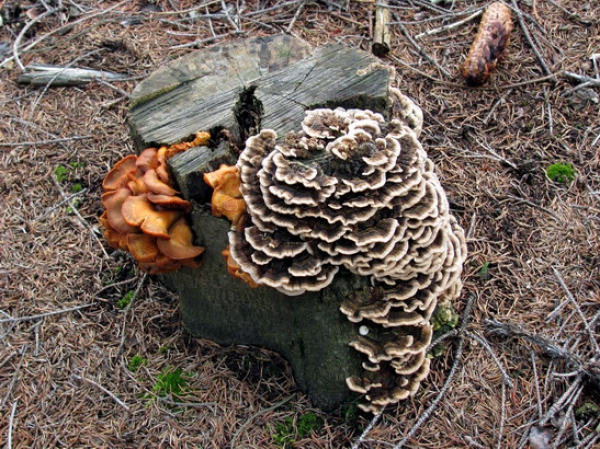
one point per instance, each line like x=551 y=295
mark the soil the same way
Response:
x=76 y=316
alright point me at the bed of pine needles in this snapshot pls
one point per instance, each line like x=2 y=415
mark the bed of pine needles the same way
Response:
x=92 y=351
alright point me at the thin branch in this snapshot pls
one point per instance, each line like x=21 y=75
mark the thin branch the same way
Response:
x=253 y=417
x=11 y=424
x=502 y=416
x=374 y=421
x=101 y=388
x=457 y=358
x=529 y=39
x=23 y=32
x=421 y=51
x=43 y=142
x=562 y=283
x=44 y=315
x=295 y=18
x=450 y=26
x=483 y=342
x=82 y=220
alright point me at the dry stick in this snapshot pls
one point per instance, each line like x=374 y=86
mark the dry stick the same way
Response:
x=58 y=73
x=116 y=284
x=57 y=205
x=538 y=394
x=295 y=18
x=44 y=315
x=486 y=147
x=205 y=40
x=82 y=220
x=571 y=394
x=43 y=142
x=257 y=414
x=10 y=424
x=15 y=49
x=497 y=103
x=15 y=377
x=421 y=73
x=231 y=21
x=542 y=79
x=483 y=342
x=532 y=204
x=562 y=283
x=457 y=356
x=571 y=14
x=529 y=39
x=361 y=438
x=502 y=416
x=421 y=51
x=549 y=112
x=101 y=388
x=450 y=26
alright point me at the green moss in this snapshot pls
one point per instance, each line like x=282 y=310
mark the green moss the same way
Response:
x=286 y=433
x=562 y=173
x=125 y=300
x=61 y=173
x=173 y=381
x=136 y=362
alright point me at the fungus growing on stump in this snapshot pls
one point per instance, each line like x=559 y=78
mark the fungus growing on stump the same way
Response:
x=144 y=216
x=353 y=191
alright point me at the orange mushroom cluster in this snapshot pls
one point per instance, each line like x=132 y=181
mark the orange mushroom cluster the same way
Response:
x=227 y=202
x=144 y=215
x=226 y=198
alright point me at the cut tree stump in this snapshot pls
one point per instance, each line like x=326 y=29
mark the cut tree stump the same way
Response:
x=241 y=87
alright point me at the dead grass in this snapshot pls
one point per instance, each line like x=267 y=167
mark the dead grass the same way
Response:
x=65 y=377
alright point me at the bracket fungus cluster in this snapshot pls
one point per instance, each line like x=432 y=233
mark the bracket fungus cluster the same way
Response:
x=354 y=191
x=144 y=215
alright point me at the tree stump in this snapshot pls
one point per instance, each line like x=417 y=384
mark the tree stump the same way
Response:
x=239 y=88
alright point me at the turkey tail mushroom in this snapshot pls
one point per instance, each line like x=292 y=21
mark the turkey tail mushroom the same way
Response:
x=489 y=44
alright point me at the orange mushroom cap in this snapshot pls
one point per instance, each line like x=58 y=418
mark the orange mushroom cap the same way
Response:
x=117 y=177
x=228 y=206
x=170 y=202
x=138 y=211
x=147 y=160
x=142 y=246
x=181 y=245
x=113 y=202
x=155 y=185
x=215 y=179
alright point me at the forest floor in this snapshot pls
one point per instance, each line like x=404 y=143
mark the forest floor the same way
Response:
x=89 y=345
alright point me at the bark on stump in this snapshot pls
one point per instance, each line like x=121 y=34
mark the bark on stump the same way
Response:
x=243 y=87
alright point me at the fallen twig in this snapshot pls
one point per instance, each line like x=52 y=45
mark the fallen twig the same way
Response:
x=253 y=417
x=44 y=315
x=450 y=26
x=37 y=143
x=529 y=38
x=101 y=388
x=11 y=420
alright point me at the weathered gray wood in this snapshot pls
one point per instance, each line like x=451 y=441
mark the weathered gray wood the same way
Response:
x=266 y=83
x=50 y=75
x=200 y=90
